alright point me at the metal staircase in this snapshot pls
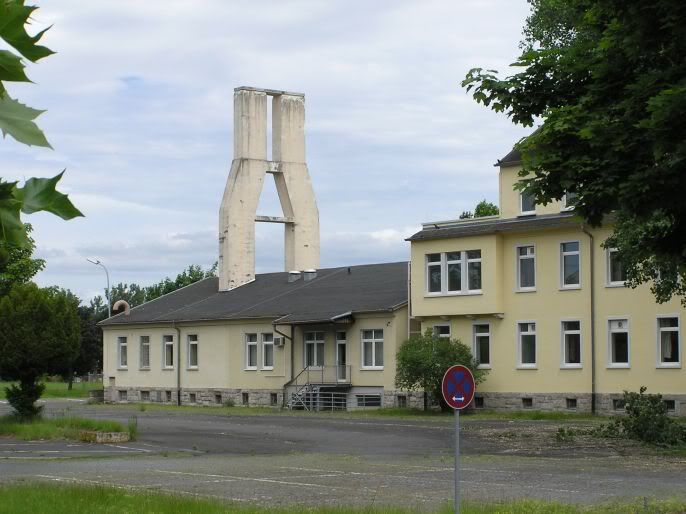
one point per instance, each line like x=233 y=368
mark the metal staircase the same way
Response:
x=320 y=388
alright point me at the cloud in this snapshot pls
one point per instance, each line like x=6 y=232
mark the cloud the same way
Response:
x=139 y=100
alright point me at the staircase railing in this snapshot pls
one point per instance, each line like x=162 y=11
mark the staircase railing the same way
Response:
x=304 y=390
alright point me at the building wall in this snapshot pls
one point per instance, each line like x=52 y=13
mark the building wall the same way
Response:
x=222 y=361
x=509 y=197
x=548 y=306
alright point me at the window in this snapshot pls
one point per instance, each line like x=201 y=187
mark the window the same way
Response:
x=168 y=395
x=401 y=401
x=122 y=352
x=250 y=351
x=670 y=405
x=668 y=341
x=526 y=268
x=314 y=349
x=571 y=403
x=273 y=399
x=268 y=351
x=569 y=201
x=433 y=273
x=618 y=340
x=192 y=397
x=218 y=398
x=570 y=265
x=616 y=275
x=482 y=344
x=479 y=402
x=123 y=395
x=245 y=398
x=526 y=203
x=527 y=403
x=442 y=331
x=372 y=349
x=618 y=404
x=168 y=351
x=144 y=353
x=193 y=351
x=456 y=272
x=145 y=396
x=526 y=339
x=368 y=400
x=571 y=344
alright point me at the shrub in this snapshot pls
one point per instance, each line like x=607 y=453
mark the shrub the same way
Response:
x=646 y=420
x=229 y=403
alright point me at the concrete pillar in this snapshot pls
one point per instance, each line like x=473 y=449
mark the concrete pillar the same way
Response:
x=246 y=178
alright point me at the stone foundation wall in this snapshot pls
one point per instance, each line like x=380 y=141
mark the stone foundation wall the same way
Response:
x=410 y=399
x=205 y=397
x=567 y=402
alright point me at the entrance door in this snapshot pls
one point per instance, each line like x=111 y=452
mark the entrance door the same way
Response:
x=341 y=357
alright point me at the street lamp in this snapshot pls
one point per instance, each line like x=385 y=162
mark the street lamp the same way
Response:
x=107 y=273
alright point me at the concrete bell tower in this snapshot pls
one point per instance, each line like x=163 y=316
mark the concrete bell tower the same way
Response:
x=250 y=166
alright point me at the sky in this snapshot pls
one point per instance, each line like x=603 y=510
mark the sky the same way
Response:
x=139 y=101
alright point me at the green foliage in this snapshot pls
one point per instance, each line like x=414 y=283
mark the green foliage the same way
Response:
x=646 y=420
x=16 y=264
x=422 y=361
x=17 y=120
x=39 y=334
x=57 y=428
x=608 y=82
x=484 y=208
x=22 y=398
x=465 y=215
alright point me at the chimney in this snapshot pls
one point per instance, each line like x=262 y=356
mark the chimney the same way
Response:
x=250 y=166
x=294 y=276
x=309 y=274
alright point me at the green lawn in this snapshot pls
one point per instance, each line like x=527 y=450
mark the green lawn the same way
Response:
x=59 y=389
x=57 y=428
x=70 y=499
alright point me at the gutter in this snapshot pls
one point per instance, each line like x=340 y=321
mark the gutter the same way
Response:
x=592 y=287
x=178 y=362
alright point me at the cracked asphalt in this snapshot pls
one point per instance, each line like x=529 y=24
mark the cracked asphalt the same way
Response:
x=343 y=460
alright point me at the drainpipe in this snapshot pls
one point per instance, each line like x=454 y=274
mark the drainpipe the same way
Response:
x=178 y=363
x=592 y=285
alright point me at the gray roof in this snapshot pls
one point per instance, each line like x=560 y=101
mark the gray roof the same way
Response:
x=476 y=227
x=511 y=159
x=334 y=294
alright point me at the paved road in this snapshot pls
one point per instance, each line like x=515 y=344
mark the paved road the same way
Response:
x=334 y=460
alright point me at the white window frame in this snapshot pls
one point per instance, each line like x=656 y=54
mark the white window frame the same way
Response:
x=317 y=343
x=522 y=212
x=566 y=207
x=464 y=273
x=166 y=343
x=621 y=365
x=373 y=342
x=563 y=347
x=122 y=343
x=659 y=330
x=190 y=342
x=264 y=336
x=563 y=254
x=518 y=259
x=141 y=343
x=519 y=333
x=608 y=270
x=247 y=345
x=475 y=350
x=438 y=334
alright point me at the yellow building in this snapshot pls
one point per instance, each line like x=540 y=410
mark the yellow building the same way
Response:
x=544 y=307
x=324 y=340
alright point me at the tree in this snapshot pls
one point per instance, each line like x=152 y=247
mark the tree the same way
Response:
x=39 y=334
x=423 y=360
x=16 y=264
x=607 y=79
x=16 y=119
x=483 y=208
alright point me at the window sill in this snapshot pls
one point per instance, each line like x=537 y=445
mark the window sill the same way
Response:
x=526 y=290
x=192 y=368
x=146 y=368
x=452 y=293
x=250 y=369
x=570 y=288
x=371 y=368
x=168 y=368
x=618 y=366
x=668 y=365
x=571 y=366
x=616 y=284
x=483 y=366
x=122 y=368
x=526 y=213
x=268 y=368
x=527 y=366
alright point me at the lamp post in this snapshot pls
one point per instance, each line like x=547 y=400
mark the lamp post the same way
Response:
x=107 y=273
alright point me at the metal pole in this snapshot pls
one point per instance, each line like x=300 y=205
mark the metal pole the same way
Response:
x=457 y=461
x=107 y=274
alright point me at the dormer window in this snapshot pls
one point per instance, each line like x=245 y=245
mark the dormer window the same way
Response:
x=527 y=205
x=569 y=201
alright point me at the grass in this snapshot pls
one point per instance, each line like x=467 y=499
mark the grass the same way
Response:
x=60 y=389
x=57 y=428
x=62 y=499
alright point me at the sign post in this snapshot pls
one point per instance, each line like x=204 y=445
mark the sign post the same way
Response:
x=458 y=391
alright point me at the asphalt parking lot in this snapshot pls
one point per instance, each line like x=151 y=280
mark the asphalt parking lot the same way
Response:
x=333 y=460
